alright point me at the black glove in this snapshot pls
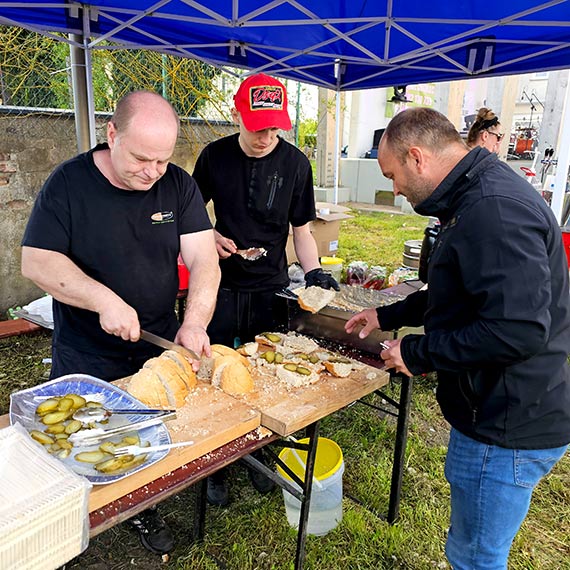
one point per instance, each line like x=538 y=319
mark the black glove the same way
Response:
x=318 y=278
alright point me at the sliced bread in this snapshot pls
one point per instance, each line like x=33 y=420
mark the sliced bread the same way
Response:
x=313 y=299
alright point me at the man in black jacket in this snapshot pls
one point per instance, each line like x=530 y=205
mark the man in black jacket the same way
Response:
x=497 y=328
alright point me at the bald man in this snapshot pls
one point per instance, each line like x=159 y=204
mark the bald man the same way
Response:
x=103 y=239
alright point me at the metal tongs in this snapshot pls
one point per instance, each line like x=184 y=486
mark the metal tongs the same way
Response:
x=94 y=436
x=252 y=253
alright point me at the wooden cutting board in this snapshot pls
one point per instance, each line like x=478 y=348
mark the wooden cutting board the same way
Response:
x=285 y=410
x=209 y=417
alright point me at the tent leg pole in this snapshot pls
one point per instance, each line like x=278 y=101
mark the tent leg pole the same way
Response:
x=336 y=147
x=561 y=175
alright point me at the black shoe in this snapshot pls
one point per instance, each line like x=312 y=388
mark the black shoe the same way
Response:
x=260 y=482
x=153 y=531
x=217 y=490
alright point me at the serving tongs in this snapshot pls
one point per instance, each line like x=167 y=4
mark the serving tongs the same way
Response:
x=94 y=436
x=96 y=414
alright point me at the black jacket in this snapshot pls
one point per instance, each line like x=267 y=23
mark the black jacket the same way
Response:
x=497 y=309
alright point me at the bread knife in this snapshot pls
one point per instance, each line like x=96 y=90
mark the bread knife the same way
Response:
x=163 y=343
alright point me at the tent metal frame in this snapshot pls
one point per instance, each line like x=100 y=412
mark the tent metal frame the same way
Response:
x=379 y=45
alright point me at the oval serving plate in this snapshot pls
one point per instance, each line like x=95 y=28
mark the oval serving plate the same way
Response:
x=23 y=406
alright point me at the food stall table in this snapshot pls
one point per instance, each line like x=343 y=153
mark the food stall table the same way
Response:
x=115 y=502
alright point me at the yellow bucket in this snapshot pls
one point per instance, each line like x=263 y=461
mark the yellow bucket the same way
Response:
x=325 y=510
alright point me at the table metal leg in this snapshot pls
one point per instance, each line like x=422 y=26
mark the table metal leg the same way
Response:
x=312 y=432
x=200 y=510
x=400 y=447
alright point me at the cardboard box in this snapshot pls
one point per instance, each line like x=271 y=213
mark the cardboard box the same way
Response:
x=325 y=230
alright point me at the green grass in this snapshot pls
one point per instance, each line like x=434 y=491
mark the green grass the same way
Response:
x=378 y=238
x=252 y=533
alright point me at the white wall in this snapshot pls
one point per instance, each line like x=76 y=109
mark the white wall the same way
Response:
x=366 y=111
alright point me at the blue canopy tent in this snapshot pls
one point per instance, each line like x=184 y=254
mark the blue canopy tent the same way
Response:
x=338 y=44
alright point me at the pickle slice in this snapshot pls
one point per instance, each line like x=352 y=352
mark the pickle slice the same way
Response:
x=42 y=437
x=47 y=406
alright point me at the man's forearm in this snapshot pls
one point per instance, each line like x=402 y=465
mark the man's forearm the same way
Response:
x=305 y=248
x=56 y=274
x=202 y=294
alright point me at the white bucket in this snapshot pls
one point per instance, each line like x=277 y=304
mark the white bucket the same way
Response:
x=325 y=511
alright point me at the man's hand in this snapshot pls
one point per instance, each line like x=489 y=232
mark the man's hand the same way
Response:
x=392 y=357
x=225 y=246
x=195 y=338
x=368 y=318
x=318 y=278
x=119 y=319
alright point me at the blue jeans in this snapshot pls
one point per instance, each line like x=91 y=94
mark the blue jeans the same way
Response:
x=491 y=488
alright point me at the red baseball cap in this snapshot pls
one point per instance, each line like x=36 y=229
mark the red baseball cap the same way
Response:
x=262 y=103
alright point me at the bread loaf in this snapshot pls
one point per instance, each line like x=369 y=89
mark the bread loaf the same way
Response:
x=163 y=382
x=313 y=299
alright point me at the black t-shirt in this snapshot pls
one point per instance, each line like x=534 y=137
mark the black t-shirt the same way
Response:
x=255 y=199
x=127 y=240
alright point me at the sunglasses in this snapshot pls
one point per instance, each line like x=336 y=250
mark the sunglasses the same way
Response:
x=498 y=135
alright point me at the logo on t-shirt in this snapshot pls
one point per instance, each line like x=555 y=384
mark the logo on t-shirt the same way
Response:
x=267 y=97
x=162 y=217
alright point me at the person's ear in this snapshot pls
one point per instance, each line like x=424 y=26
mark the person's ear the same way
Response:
x=235 y=115
x=416 y=158
x=111 y=133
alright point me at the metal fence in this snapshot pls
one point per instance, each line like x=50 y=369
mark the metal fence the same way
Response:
x=35 y=77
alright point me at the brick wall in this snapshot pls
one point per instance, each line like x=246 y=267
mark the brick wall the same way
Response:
x=31 y=146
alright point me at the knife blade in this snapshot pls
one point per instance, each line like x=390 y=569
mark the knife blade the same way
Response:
x=163 y=343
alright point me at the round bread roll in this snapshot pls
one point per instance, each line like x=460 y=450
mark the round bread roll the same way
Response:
x=163 y=382
x=231 y=375
x=221 y=350
x=236 y=379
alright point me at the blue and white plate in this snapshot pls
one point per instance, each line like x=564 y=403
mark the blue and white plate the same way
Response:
x=23 y=406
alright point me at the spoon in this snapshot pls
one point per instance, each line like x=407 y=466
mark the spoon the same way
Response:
x=100 y=414
x=252 y=253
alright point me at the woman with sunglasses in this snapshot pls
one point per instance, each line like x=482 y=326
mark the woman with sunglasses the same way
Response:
x=485 y=131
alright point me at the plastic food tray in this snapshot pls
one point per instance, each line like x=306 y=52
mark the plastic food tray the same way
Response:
x=23 y=405
x=44 y=519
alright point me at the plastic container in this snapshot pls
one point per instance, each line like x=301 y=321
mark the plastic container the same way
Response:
x=325 y=511
x=332 y=265
x=183 y=275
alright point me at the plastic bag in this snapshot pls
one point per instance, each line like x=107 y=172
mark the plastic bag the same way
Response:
x=356 y=273
x=375 y=278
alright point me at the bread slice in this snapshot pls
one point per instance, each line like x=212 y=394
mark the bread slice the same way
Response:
x=295 y=379
x=338 y=369
x=298 y=343
x=248 y=349
x=146 y=386
x=187 y=373
x=313 y=298
x=170 y=374
x=163 y=382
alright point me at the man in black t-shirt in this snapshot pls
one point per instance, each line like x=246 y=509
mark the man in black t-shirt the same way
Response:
x=103 y=239
x=259 y=185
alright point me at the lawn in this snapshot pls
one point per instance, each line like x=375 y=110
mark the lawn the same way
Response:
x=252 y=533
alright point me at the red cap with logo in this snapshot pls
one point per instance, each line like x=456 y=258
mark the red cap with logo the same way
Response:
x=262 y=103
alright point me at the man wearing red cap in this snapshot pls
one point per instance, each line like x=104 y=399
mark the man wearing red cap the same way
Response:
x=259 y=184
